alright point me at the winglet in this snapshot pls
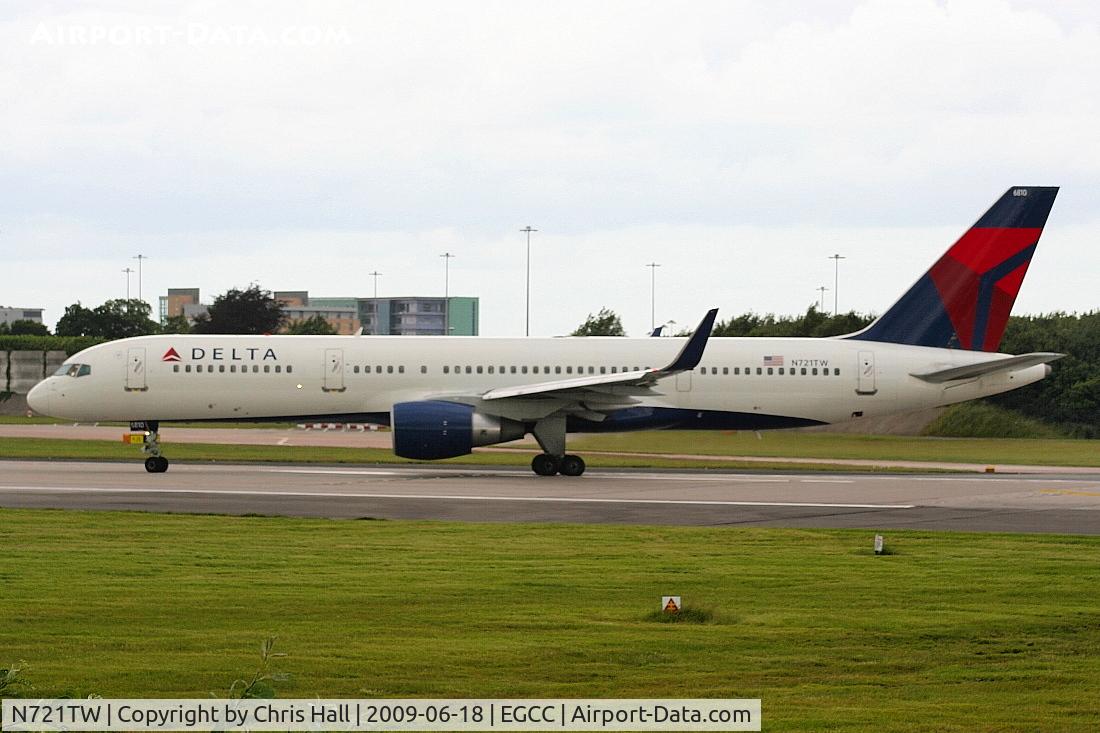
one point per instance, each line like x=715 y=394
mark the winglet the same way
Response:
x=692 y=353
x=657 y=331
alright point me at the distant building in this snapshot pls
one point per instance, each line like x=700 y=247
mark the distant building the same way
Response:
x=11 y=315
x=410 y=316
x=413 y=316
x=340 y=313
x=181 y=302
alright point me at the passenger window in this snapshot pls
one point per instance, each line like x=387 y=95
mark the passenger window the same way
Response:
x=389 y=369
x=401 y=369
x=725 y=371
x=255 y=368
x=288 y=368
x=480 y=370
x=523 y=369
x=770 y=371
x=534 y=370
x=737 y=370
x=267 y=368
x=446 y=369
x=836 y=372
x=278 y=369
x=491 y=368
x=614 y=370
x=458 y=369
x=502 y=369
x=512 y=370
x=546 y=370
x=780 y=370
x=233 y=369
x=423 y=369
x=221 y=368
x=591 y=370
x=187 y=369
x=355 y=369
x=603 y=370
x=815 y=371
x=469 y=369
x=569 y=370
x=557 y=370
x=758 y=371
x=175 y=367
x=803 y=371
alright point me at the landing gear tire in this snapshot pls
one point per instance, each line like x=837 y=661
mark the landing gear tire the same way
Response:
x=156 y=464
x=544 y=464
x=571 y=465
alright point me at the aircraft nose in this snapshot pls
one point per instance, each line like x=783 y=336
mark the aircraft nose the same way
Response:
x=38 y=399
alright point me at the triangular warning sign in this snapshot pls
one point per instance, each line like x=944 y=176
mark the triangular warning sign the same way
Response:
x=171 y=355
x=671 y=606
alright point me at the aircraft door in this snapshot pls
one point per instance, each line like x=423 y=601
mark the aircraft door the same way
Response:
x=334 y=370
x=866 y=383
x=683 y=381
x=135 y=370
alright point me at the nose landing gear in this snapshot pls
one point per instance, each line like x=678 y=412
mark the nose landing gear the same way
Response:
x=150 y=445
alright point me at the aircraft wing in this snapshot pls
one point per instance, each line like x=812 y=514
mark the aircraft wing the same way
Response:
x=970 y=371
x=687 y=359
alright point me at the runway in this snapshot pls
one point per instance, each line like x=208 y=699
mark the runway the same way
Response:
x=1024 y=503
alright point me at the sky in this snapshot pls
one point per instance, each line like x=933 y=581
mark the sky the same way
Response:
x=302 y=146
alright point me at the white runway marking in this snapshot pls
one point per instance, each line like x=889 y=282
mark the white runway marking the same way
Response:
x=454 y=497
x=459 y=471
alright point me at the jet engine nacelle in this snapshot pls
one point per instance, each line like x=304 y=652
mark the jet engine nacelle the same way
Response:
x=436 y=429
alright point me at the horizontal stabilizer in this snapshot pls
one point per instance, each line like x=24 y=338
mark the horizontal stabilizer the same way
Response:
x=970 y=371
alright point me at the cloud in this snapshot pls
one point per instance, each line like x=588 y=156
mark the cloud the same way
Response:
x=730 y=141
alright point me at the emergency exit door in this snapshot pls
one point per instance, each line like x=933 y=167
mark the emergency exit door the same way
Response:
x=334 y=370
x=866 y=383
x=135 y=370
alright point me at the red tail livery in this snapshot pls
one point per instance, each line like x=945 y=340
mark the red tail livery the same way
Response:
x=964 y=301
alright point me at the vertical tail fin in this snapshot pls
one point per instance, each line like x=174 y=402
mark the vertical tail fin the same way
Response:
x=965 y=299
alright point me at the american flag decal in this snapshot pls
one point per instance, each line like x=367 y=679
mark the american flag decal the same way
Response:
x=773 y=361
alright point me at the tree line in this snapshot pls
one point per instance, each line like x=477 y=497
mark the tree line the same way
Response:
x=1069 y=398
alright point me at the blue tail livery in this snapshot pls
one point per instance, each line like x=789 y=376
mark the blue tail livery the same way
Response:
x=964 y=301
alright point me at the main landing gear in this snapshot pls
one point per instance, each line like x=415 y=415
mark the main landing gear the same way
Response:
x=150 y=445
x=550 y=433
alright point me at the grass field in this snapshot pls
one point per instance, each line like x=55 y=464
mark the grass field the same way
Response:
x=951 y=633
x=49 y=448
x=835 y=445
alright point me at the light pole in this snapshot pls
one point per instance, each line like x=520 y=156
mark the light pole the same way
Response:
x=446 y=292
x=139 y=258
x=127 y=270
x=836 y=278
x=652 y=295
x=821 y=300
x=375 y=275
x=527 y=327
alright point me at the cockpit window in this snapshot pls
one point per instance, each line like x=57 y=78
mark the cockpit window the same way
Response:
x=73 y=370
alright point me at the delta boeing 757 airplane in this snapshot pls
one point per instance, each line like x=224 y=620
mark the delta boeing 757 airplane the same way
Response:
x=442 y=396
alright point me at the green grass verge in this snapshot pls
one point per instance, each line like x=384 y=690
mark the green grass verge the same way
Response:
x=56 y=449
x=41 y=420
x=984 y=420
x=834 y=445
x=951 y=633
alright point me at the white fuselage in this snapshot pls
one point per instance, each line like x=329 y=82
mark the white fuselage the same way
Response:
x=757 y=382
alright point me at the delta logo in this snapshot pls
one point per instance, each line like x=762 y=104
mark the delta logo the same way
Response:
x=171 y=355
